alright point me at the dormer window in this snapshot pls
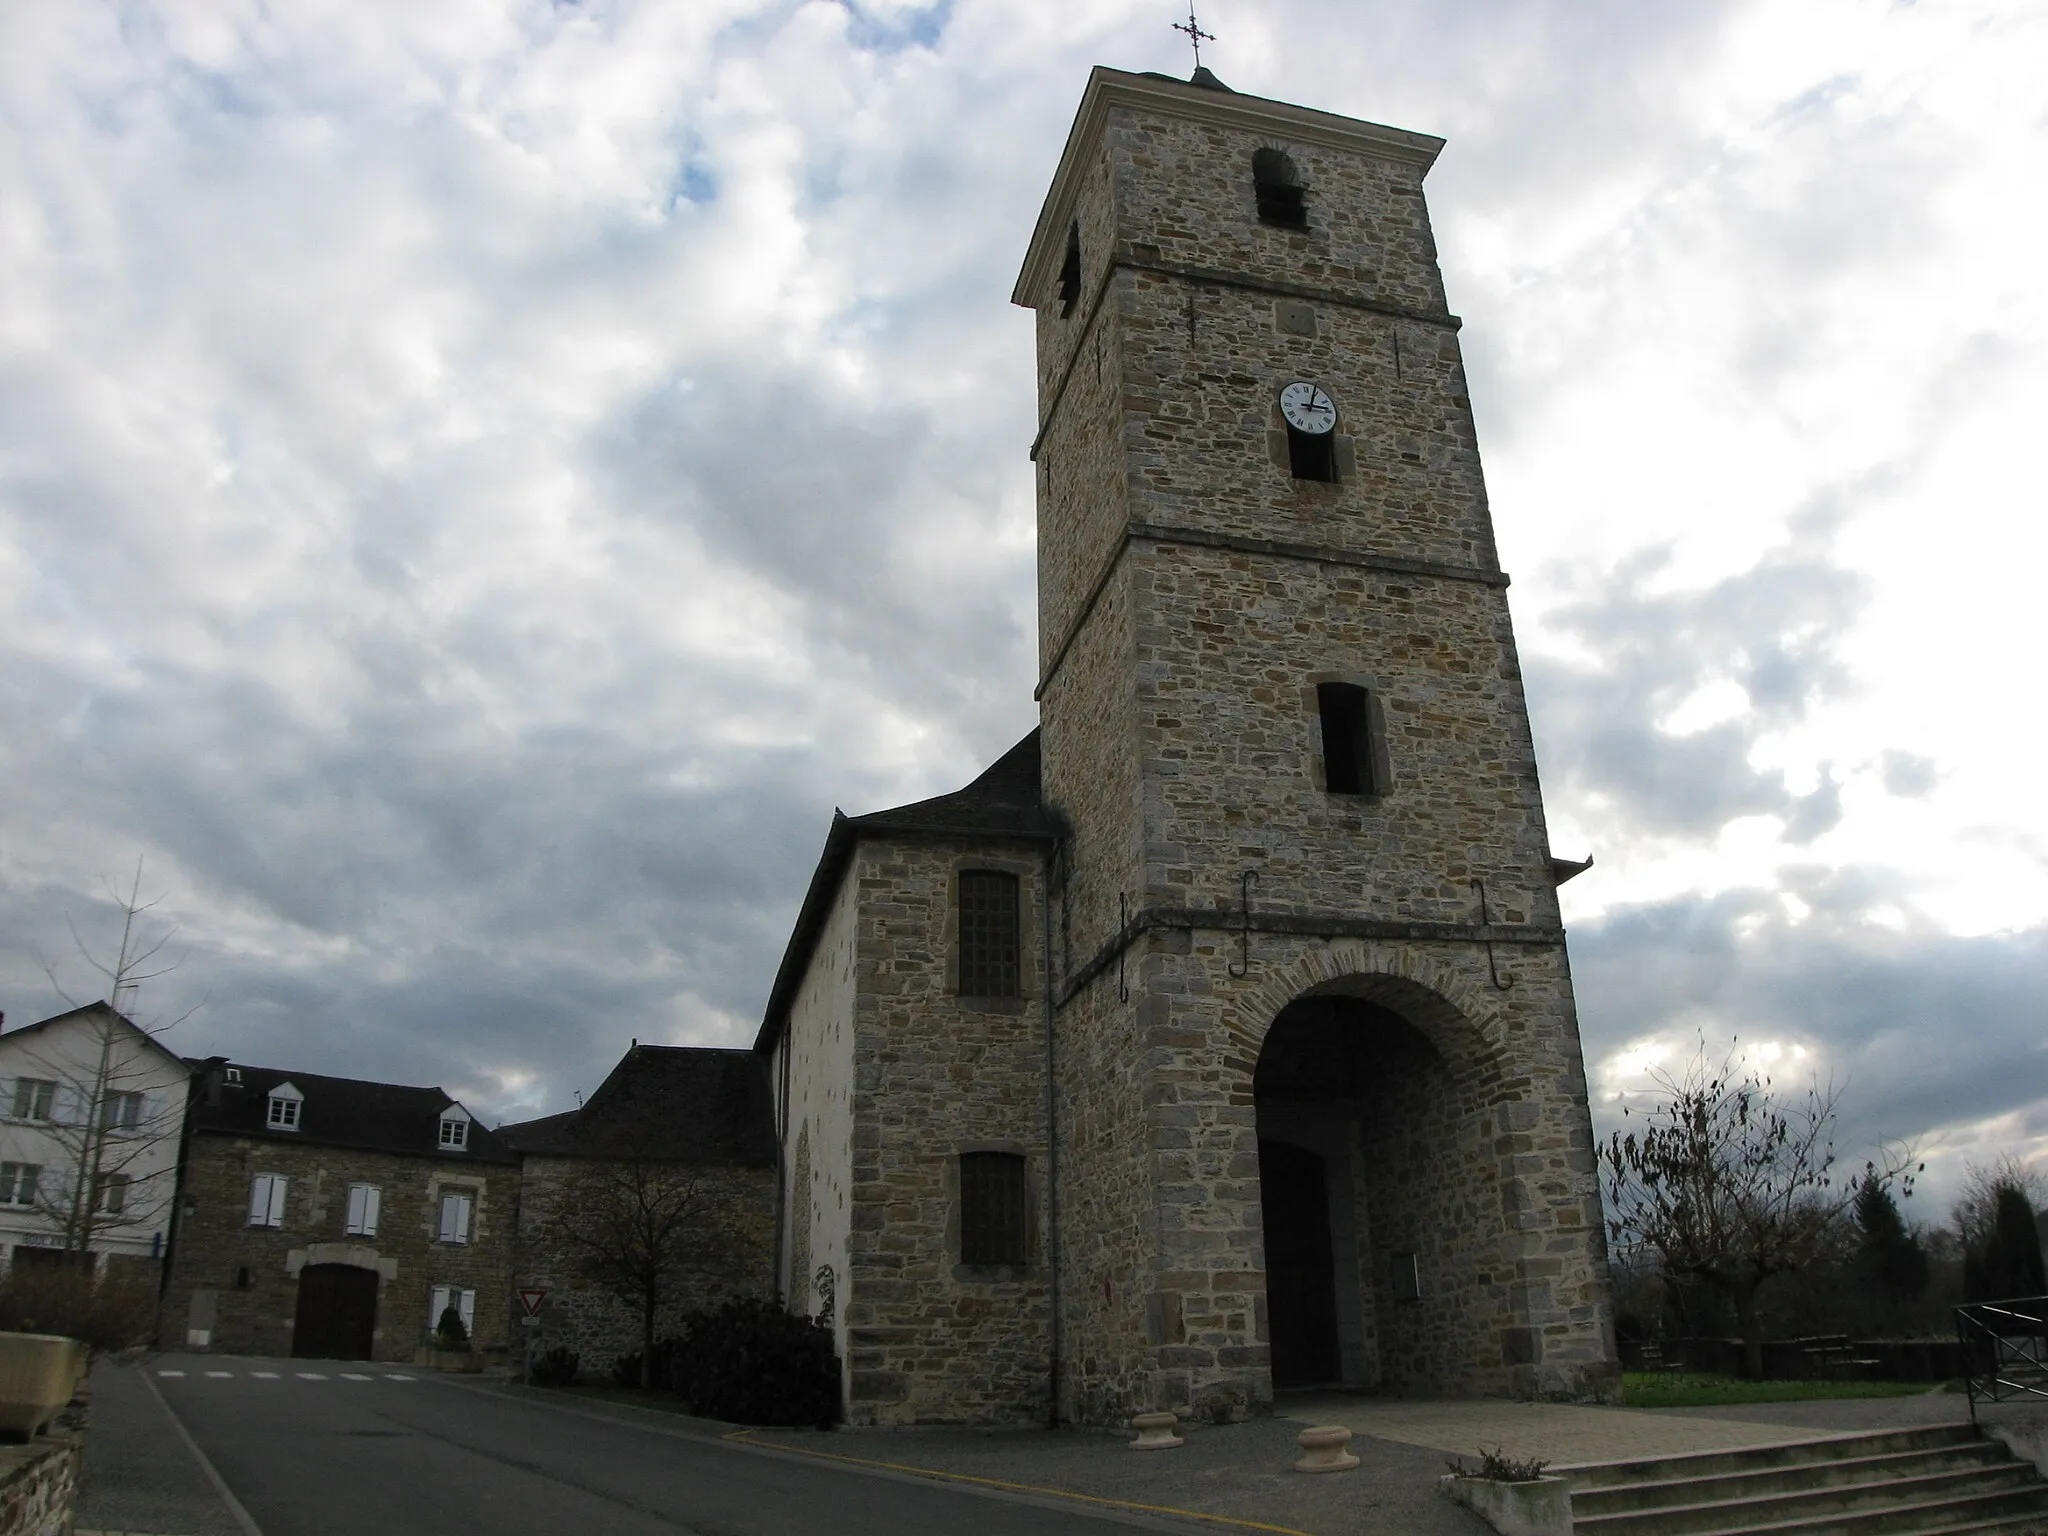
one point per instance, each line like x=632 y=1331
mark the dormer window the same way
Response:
x=284 y=1108
x=232 y=1076
x=1278 y=190
x=454 y=1129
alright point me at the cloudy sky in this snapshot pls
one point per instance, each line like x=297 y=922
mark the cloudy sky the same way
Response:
x=480 y=481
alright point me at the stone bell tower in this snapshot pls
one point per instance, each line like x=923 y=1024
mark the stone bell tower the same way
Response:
x=1320 y=1105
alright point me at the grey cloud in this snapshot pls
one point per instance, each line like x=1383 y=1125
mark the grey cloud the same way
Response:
x=1908 y=774
x=1923 y=1030
x=1772 y=629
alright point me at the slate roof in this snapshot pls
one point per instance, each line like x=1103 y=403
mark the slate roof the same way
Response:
x=335 y=1112
x=1004 y=804
x=671 y=1103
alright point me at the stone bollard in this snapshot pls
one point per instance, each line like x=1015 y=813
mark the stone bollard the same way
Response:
x=1325 y=1447
x=1155 y=1432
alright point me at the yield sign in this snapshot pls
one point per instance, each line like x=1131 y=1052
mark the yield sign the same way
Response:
x=530 y=1298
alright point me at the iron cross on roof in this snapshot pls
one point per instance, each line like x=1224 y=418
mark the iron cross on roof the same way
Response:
x=1196 y=35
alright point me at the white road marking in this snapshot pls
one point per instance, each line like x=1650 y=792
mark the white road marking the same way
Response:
x=398 y=1378
x=352 y=1376
x=264 y=1375
x=170 y=1373
x=310 y=1376
x=221 y=1373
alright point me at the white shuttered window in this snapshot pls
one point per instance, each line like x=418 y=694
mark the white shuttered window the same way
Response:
x=363 y=1203
x=266 y=1200
x=455 y=1218
x=446 y=1296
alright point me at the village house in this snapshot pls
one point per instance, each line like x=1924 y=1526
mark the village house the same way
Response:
x=91 y=1111
x=335 y=1218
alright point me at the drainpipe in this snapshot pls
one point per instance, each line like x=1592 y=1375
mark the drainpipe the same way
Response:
x=781 y=1158
x=1052 y=1141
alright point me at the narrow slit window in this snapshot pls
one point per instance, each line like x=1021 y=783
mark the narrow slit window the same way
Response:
x=989 y=934
x=1349 y=765
x=1278 y=190
x=992 y=1218
x=1070 y=273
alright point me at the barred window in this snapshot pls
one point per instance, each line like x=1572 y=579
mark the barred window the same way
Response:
x=988 y=934
x=992 y=1228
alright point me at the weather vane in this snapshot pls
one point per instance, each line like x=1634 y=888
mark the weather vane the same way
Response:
x=1195 y=34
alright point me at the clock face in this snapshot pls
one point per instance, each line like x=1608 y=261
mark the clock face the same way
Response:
x=1307 y=408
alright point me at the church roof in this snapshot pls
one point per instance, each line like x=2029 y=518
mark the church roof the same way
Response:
x=1003 y=804
x=666 y=1103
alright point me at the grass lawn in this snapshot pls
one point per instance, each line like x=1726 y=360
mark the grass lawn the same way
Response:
x=1687 y=1389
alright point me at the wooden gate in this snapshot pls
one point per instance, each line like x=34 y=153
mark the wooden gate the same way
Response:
x=337 y=1316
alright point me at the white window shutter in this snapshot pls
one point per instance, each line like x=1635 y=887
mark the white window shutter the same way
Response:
x=373 y=1198
x=152 y=1107
x=64 y=1109
x=467 y=1307
x=436 y=1305
x=277 y=1184
x=356 y=1202
x=259 y=1200
x=446 y=1233
x=7 y=1096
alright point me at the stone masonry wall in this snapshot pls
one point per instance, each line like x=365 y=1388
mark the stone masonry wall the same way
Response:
x=736 y=1258
x=930 y=1339
x=213 y=1243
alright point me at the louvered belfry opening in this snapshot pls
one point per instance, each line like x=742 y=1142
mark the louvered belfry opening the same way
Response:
x=989 y=957
x=992 y=1216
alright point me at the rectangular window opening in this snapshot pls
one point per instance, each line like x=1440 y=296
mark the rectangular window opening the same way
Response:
x=990 y=940
x=454 y=1133
x=992 y=1216
x=1406 y=1277
x=1312 y=455
x=121 y=1111
x=33 y=1097
x=455 y=1212
x=1070 y=274
x=1348 y=766
x=18 y=1183
x=364 y=1201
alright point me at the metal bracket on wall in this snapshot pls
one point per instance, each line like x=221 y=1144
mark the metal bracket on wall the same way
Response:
x=1123 y=928
x=1486 y=925
x=1244 y=934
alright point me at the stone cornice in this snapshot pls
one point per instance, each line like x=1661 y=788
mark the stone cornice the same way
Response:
x=1111 y=88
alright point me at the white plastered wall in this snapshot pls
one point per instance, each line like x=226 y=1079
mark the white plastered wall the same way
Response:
x=819 y=1044
x=69 y=1055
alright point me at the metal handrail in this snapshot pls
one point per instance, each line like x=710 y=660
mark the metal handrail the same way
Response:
x=2005 y=1349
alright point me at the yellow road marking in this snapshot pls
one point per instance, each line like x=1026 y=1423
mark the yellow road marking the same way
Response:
x=996 y=1482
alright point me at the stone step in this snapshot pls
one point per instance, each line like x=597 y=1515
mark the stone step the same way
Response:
x=1856 y=1506
x=1696 y=1464
x=1758 y=1482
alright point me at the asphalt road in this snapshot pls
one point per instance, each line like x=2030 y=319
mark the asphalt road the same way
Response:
x=313 y=1448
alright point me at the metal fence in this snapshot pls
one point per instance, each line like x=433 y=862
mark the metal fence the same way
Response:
x=2006 y=1346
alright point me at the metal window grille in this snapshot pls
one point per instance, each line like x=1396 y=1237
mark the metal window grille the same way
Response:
x=992 y=1224
x=988 y=934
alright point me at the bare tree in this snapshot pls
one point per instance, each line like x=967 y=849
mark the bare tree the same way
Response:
x=99 y=1105
x=1976 y=1208
x=632 y=1226
x=1730 y=1185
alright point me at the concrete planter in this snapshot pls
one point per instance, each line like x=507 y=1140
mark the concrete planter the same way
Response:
x=428 y=1358
x=1541 y=1508
x=38 y=1374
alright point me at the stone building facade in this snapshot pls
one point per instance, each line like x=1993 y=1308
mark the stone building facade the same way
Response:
x=1291 y=1069
x=673 y=1129
x=335 y=1218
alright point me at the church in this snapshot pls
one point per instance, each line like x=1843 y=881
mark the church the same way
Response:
x=1219 y=1038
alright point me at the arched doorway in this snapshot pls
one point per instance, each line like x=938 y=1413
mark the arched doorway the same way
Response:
x=1380 y=1203
x=337 y=1313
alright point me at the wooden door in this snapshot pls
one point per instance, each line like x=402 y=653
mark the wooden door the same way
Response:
x=337 y=1317
x=1301 y=1281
